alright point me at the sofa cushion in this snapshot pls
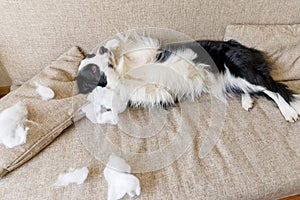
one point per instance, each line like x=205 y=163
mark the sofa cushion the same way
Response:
x=49 y=118
x=33 y=33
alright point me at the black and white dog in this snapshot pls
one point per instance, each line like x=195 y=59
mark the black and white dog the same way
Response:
x=147 y=73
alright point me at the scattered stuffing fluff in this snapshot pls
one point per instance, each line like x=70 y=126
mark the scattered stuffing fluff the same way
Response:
x=119 y=179
x=104 y=106
x=12 y=129
x=77 y=176
x=46 y=93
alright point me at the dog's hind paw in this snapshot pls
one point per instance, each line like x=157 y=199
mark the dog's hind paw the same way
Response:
x=293 y=119
x=296 y=104
x=247 y=102
x=291 y=115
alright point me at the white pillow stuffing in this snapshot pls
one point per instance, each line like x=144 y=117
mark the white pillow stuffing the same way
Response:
x=119 y=180
x=45 y=93
x=77 y=176
x=12 y=129
x=104 y=106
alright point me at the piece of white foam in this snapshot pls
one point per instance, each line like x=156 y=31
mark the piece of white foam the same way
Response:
x=46 y=93
x=120 y=181
x=77 y=176
x=12 y=129
x=104 y=106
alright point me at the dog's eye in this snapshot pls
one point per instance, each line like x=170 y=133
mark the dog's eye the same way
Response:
x=110 y=65
x=94 y=69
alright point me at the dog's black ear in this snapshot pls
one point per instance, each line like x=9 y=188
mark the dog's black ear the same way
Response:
x=103 y=50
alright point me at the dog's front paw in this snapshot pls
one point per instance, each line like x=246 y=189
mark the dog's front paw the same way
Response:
x=112 y=44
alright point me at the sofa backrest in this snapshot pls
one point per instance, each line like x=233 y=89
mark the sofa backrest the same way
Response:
x=34 y=32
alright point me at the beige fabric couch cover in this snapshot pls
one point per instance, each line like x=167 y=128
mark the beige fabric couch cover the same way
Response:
x=257 y=156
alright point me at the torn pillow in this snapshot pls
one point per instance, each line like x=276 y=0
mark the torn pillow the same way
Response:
x=12 y=129
x=46 y=93
x=77 y=176
x=119 y=181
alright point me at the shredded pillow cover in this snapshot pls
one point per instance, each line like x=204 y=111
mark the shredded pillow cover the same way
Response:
x=46 y=118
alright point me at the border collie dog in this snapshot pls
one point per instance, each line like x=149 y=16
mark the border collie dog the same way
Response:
x=147 y=73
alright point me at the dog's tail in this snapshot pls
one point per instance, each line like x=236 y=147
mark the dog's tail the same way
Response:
x=283 y=90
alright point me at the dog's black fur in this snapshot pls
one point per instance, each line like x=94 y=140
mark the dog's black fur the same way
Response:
x=247 y=63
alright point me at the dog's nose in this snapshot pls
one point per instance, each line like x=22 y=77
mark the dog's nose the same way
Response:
x=103 y=80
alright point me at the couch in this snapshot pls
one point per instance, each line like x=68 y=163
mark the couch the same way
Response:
x=257 y=155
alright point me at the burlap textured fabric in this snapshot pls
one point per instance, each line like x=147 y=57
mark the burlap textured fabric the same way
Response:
x=50 y=117
x=257 y=156
x=35 y=32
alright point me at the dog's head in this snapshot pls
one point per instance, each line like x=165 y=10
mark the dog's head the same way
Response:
x=93 y=68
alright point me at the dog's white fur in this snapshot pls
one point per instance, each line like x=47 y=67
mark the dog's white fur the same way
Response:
x=145 y=83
